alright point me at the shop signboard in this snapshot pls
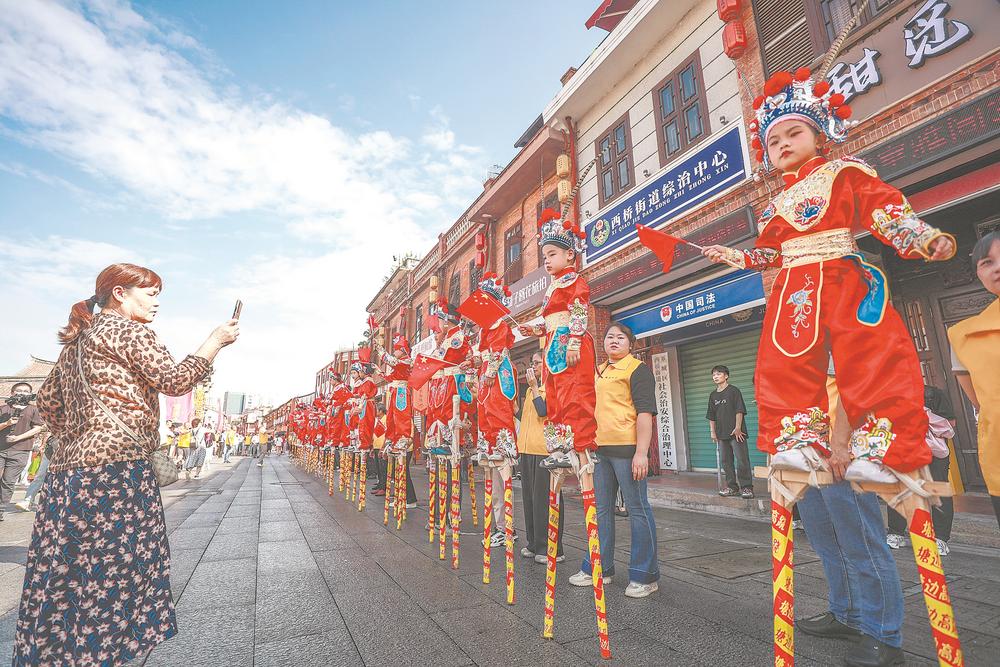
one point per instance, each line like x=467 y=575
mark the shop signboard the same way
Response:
x=733 y=292
x=717 y=165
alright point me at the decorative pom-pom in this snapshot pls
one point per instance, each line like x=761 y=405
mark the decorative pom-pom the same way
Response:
x=821 y=88
x=843 y=112
x=506 y=291
x=755 y=143
x=760 y=156
x=778 y=82
x=758 y=101
x=581 y=234
x=567 y=224
x=802 y=73
x=836 y=100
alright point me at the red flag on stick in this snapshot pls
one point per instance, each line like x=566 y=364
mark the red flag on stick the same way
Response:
x=483 y=309
x=662 y=244
x=423 y=368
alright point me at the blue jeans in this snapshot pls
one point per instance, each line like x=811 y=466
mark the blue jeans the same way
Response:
x=610 y=474
x=36 y=483
x=846 y=531
x=226 y=451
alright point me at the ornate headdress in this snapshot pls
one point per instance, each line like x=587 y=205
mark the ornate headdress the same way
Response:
x=493 y=285
x=358 y=366
x=796 y=96
x=399 y=342
x=439 y=310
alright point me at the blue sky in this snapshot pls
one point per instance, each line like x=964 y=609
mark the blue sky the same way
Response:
x=276 y=152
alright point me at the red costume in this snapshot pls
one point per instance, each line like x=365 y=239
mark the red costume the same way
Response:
x=497 y=390
x=364 y=420
x=826 y=301
x=449 y=382
x=398 y=398
x=339 y=417
x=570 y=394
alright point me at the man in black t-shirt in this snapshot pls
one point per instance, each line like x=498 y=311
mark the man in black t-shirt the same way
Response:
x=19 y=424
x=726 y=417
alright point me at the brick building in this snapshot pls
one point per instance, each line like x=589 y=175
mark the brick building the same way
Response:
x=34 y=374
x=275 y=422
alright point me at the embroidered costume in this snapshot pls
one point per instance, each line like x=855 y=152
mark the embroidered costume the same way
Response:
x=570 y=397
x=449 y=382
x=399 y=402
x=497 y=382
x=363 y=417
x=826 y=300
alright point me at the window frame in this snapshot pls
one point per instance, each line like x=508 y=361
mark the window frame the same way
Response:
x=679 y=114
x=512 y=275
x=418 y=323
x=455 y=288
x=613 y=168
x=476 y=275
x=820 y=32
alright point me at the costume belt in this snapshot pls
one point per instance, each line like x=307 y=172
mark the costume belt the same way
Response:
x=556 y=320
x=452 y=370
x=398 y=383
x=818 y=247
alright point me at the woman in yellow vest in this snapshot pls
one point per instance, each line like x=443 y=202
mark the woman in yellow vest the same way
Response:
x=975 y=345
x=626 y=403
x=534 y=478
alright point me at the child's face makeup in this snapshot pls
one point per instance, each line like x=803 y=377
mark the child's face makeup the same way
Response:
x=791 y=143
x=555 y=259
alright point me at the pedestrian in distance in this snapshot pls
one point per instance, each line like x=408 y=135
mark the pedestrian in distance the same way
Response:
x=197 y=451
x=103 y=512
x=19 y=424
x=727 y=420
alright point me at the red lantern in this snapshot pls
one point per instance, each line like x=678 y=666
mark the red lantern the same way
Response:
x=734 y=39
x=480 y=240
x=728 y=9
x=480 y=259
x=402 y=312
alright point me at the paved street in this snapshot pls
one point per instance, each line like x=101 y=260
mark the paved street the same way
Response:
x=267 y=569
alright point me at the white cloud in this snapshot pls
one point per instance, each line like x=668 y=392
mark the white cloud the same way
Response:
x=134 y=102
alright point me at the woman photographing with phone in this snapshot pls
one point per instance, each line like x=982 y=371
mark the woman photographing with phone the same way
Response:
x=96 y=585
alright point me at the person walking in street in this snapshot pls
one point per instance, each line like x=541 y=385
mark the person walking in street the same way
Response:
x=96 y=581
x=19 y=424
x=534 y=478
x=626 y=403
x=197 y=451
x=228 y=444
x=727 y=420
x=183 y=450
x=975 y=346
x=254 y=445
x=30 y=504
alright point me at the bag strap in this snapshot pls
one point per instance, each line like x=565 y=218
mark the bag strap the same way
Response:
x=101 y=404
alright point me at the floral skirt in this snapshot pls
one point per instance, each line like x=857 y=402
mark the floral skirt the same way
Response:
x=97 y=584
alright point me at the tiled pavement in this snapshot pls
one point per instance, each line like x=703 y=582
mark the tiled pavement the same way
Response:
x=268 y=569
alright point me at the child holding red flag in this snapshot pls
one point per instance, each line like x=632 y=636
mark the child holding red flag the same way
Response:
x=826 y=299
x=399 y=405
x=497 y=382
x=363 y=392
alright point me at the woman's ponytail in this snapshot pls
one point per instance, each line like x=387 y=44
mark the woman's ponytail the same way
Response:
x=80 y=316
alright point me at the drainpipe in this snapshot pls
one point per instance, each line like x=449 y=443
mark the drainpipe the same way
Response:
x=574 y=171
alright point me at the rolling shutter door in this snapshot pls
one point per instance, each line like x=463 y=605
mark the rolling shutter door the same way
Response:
x=739 y=353
x=786 y=42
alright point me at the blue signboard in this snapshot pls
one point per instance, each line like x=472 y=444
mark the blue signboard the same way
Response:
x=727 y=294
x=715 y=167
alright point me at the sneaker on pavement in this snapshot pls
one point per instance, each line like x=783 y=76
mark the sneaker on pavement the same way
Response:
x=527 y=553
x=941 y=544
x=542 y=558
x=746 y=493
x=25 y=506
x=410 y=505
x=826 y=625
x=796 y=524
x=729 y=493
x=497 y=539
x=895 y=541
x=583 y=579
x=870 y=652
x=637 y=590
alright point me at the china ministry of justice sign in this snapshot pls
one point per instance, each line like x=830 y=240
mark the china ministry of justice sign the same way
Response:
x=718 y=165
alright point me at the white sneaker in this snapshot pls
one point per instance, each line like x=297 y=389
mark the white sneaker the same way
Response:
x=895 y=541
x=634 y=590
x=583 y=579
x=410 y=505
x=941 y=544
x=527 y=553
x=542 y=558
x=25 y=506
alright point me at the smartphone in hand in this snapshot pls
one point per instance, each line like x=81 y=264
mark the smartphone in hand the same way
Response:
x=237 y=309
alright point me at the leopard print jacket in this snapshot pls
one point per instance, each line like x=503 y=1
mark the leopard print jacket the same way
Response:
x=127 y=367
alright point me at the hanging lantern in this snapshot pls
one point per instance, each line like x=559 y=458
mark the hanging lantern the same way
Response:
x=564 y=189
x=434 y=283
x=480 y=240
x=734 y=39
x=402 y=312
x=480 y=259
x=563 y=166
x=432 y=296
x=729 y=10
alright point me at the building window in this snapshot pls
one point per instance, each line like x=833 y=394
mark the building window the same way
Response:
x=513 y=262
x=614 y=161
x=835 y=14
x=455 y=289
x=681 y=109
x=475 y=276
x=418 y=333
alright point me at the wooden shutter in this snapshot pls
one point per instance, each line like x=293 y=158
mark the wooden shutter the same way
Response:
x=783 y=28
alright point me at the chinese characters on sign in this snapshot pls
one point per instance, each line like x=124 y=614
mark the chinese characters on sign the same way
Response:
x=664 y=411
x=929 y=33
x=926 y=34
x=717 y=166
